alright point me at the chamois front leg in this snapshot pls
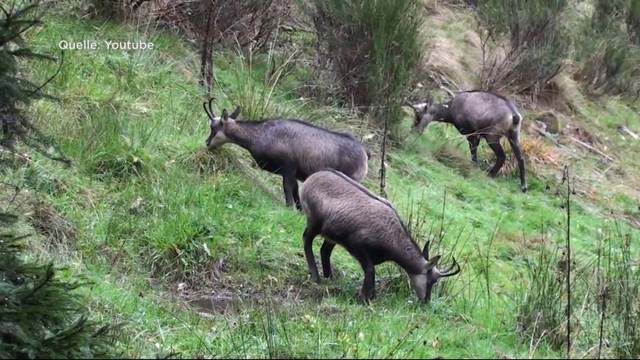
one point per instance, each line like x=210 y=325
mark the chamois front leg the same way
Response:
x=368 y=290
x=474 y=141
x=310 y=232
x=494 y=143
x=325 y=257
x=517 y=151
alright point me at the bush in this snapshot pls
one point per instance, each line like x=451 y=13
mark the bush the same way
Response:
x=607 y=48
x=524 y=45
x=15 y=89
x=40 y=314
x=372 y=47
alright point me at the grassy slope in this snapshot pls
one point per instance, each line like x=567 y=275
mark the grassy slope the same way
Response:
x=133 y=125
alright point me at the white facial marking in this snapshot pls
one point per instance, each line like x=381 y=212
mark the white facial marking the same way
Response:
x=420 y=106
x=219 y=139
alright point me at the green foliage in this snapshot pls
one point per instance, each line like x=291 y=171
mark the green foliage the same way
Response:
x=623 y=295
x=373 y=47
x=541 y=312
x=534 y=42
x=208 y=232
x=41 y=315
x=15 y=89
x=633 y=22
x=608 y=50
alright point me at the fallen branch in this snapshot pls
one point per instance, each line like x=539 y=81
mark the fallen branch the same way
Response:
x=548 y=135
x=625 y=130
x=592 y=149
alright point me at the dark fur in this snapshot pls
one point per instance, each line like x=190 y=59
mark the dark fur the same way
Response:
x=366 y=225
x=293 y=149
x=480 y=115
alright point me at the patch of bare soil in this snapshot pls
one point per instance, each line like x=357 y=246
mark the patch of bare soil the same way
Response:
x=224 y=291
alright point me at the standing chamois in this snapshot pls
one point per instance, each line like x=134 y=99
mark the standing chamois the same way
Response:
x=346 y=213
x=478 y=114
x=290 y=148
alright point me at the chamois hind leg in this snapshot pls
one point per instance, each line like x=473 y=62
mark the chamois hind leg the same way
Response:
x=517 y=151
x=494 y=143
x=296 y=195
x=290 y=186
x=310 y=232
x=474 y=141
x=325 y=256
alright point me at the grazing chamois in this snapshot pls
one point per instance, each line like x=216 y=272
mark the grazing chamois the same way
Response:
x=478 y=114
x=346 y=213
x=290 y=148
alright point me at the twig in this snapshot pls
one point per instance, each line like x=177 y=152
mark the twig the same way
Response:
x=51 y=78
x=625 y=130
x=592 y=149
x=566 y=176
x=547 y=135
x=382 y=158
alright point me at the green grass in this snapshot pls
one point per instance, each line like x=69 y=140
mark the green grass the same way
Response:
x=134 y=126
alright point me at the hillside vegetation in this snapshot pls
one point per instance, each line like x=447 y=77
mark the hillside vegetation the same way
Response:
x=192 y=253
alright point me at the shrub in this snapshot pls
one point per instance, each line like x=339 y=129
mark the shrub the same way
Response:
x=372 y=47
x=40 y=314
x=609 y=60
x=16 y=90
x=523 y=43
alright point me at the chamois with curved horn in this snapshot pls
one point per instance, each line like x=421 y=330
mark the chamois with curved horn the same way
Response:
x=290 y=148
x=369 y=228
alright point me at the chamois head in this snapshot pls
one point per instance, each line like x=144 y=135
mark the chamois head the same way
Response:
x=423 y=283
x=427 y=112
x=217 y=136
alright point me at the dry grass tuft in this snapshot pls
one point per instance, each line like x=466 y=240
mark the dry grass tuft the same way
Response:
x=539 y=155
x=452 y=57
x=203 y=161
x=51 y=224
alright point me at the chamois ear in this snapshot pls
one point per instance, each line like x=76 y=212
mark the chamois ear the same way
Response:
x=225 y=115
x=234 y=115
x=425 y=250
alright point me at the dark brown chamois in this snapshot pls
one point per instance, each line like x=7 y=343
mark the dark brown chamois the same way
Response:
x=478 y=114
x=346 y=213
x=290 y=148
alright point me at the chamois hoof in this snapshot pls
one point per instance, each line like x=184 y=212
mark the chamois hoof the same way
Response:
x=365 y=298
x=524 y=188
x=315 y=279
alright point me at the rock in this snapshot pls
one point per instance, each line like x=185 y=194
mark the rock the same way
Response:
x=551 y=120
x=137 y=206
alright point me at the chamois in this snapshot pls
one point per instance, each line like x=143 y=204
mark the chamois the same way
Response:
x=478 y=114
x=368 y=226
x=291 y=148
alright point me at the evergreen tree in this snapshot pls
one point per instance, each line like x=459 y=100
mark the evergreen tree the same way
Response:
x=40 y=314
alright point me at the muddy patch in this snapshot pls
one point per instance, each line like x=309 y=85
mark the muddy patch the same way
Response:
x=215 y=304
